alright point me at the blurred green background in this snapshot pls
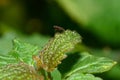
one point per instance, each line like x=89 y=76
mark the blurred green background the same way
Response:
x=98 y=22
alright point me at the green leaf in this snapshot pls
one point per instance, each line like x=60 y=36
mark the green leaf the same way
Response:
x=7 y=59
x=91 y=64
x=23 y=51
x=19 y=71
x=80 y=76
x=55 y=49
x=96 y=17
x=7 y=37
x=56 y=74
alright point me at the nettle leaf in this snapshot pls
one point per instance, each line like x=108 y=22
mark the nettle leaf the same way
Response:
x=80 y=76
x=23 y=51
x=7 y=59
x=6 y=38
x=55 y=49
x=19 y=71
x=91 y=64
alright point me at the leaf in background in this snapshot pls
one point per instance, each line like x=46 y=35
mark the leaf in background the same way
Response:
x=5 y=41
x=114 y=73
x=92 y=64
x=55 y=74
x=19 y=71
x=80 y=76
x=23 y=51
x=55 y=50
x=96 y=17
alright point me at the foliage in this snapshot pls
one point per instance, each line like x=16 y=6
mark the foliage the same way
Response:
x=80 y=76
x=25 y=61
x=96 y=20
x=18 y=71
x=96 y=17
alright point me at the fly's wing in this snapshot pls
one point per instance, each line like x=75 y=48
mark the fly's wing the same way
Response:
x=55 y=49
